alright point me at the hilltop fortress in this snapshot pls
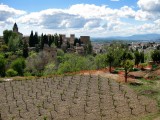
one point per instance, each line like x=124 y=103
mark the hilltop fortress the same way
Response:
x=69 y=44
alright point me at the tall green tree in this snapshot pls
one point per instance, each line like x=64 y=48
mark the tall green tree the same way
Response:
x=60 y=41
x=14 y=43
x=6 y=35
x=45 y=39
x=25 y=49
x=137 y=57
x=142 y=56
x=110 y=59
x=51 y=40
x=35 y=39
x=41 y=41
x=127 y=63
x=56 y=39
x=114 y=53
x=31 y=40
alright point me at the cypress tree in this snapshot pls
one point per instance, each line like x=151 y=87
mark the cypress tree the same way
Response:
x=56 y=39
x=31 y=40
x=36 y=38
x=45 y=39
x=25 y=49
x=42 y=41
x=50 y=40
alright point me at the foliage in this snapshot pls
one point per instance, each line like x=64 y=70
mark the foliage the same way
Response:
x=6 y=35
x=128 y=66
x=127 y=63
x=100 y=61
x=88 y=48
x=14 y=42
x=49 y=69
x=137 y=57
x=18 y=65
x=27 y=74
x=51 y=40
x=60 y=56
x=73 y=63
x=36 y=63
x=11 y=73
x=56 y=38
x=156 y=55
x=142 y=57
x=114 y=54
x=25 y=49
x=31 y=38
x=3 y=48
x=2 y=65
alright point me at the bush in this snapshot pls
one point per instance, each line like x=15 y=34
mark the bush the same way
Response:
x=27 y=74
x=49 y=69
x=11 y=73
x=18 y=65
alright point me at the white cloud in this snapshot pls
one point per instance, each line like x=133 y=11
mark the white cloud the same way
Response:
x=149 y=10
x=127 y=12
x=7 y=12
x=82 y=19
x=149 y=5
x=77 y=16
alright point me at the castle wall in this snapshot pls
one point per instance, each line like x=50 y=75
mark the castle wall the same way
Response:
x=85 y=39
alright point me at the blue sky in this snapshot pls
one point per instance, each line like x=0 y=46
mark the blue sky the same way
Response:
x=97 y=18
x=36 y=5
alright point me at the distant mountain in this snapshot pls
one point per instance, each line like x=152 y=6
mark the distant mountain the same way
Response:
x=140 y=37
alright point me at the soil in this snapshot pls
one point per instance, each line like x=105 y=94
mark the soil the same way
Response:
x=87 y=96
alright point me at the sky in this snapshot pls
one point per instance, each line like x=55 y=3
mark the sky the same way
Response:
x=96 y=18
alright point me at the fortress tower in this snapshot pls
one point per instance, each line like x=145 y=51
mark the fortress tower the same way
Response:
x=15 y=28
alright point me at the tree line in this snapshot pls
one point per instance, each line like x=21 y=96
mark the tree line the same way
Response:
x=15 y=58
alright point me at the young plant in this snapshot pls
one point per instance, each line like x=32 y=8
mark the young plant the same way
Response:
x=19 y=112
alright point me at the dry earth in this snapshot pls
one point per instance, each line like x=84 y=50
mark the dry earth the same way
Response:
x=77 y=97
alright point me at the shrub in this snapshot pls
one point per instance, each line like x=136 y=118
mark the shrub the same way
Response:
x=11 y=73
x=18 y=65
x=27 y=74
